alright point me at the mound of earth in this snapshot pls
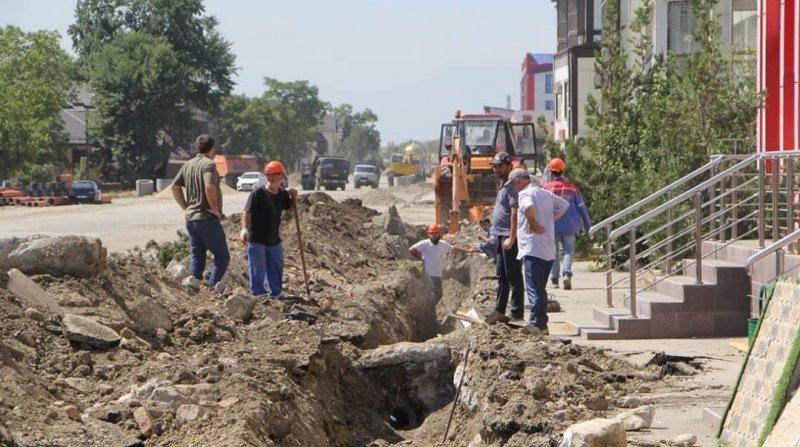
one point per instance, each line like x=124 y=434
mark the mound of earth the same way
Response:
x=362 y=360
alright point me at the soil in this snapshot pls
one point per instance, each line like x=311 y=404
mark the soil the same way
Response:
x=276 y=379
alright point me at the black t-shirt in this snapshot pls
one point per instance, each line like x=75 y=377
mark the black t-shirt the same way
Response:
x=265 y=210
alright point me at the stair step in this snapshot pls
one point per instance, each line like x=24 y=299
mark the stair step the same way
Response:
x=650 y=303
x=684 y=287
x=716 y=271
x=622 y=322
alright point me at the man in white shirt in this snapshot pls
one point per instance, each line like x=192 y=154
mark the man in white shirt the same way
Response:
x=432 y=252
x=538 y=210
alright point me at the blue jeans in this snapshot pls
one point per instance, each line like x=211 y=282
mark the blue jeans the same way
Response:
x=509 y=279
x=437 y=287
x=567 y=241
x=266 y=268
x=536 y=271
x=207 y=234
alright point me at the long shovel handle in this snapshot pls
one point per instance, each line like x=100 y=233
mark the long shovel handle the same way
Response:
x=300 y=244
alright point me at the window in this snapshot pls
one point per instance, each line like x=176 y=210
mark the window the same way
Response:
x=679 y=28
x=548 y=83
x=744 y=27
x=548 y=104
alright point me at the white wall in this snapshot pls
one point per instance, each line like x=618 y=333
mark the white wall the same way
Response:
x=541 y=96
x=585 y=88
x=561 y=102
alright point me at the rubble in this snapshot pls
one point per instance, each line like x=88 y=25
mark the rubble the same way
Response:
x=140 y=359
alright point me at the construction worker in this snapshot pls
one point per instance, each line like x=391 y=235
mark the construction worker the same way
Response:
x=568 y=226
x=203 y=206
x=431 y=252
x=504 y=228
x=539 y=209
x=261 y=221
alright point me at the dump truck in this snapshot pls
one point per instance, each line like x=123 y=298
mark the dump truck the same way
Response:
x=230 y=167
x=330 y=172
x=464 y=182
x=411 y=164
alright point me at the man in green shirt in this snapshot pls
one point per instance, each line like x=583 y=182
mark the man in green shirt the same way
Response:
x=203 y=205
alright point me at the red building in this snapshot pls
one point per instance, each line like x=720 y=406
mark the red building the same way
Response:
x=779 y=74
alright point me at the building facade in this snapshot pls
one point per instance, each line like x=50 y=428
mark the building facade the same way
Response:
x=536 y=86
x=779 y=74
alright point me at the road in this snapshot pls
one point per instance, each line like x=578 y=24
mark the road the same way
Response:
x=129 y=222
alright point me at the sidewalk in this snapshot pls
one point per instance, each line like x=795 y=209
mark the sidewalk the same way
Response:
x=680 y=401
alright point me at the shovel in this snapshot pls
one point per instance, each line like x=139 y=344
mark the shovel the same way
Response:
x=300 y=244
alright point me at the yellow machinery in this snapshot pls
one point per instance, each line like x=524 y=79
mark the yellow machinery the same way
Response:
x=464 y=182
x=411 y=162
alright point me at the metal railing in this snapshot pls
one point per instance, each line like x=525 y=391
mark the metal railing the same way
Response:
x=729 y=199
x=776 y=248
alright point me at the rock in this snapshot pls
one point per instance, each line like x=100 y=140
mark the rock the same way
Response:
x=404 y=352
x=228 y=402
x=66 y=255
x=31 y=294
x=87 y=331
x=163 y=337
x=190 y=413
x=73 y=413
x=685 y=440
x=176 y=270
x=80 y=384
x=629 y=402
x=391 y=222
x=144 y=420
x=169 y=395
x=595 y=433
x=637 y=419
x=149 y=316
x=105 y=389
x=34 y=314
x=133 y=342
x=191 y=283
x=239 y=307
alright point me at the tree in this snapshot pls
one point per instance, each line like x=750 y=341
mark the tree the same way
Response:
x=142 y=81
x=292 y=111
x=35 y=75
x=360 y=139
x=164 y=57
x=243 y=121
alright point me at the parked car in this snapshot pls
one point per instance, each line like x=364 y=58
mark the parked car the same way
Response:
x=368 y=175
x=250 y=181
x=85 y=191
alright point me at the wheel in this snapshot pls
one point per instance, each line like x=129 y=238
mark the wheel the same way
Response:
x=343 y=187
x=391 y=180
x=374 y=185
x=357 y=186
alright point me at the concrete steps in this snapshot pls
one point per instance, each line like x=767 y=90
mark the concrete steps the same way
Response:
x=682 y=307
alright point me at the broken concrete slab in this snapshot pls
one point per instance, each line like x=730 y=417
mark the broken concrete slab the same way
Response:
x=405 y=352
x=87 y=331
x=79 y=256
x=240 y=306
x=595 y=433
x=31 y=294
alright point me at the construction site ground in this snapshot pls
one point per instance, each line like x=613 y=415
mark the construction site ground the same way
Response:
x=351 y=377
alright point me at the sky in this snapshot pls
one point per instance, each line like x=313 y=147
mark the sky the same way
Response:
x=413 y=62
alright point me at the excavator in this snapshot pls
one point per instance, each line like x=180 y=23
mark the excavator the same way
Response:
x=412 y=162
x=464 y=183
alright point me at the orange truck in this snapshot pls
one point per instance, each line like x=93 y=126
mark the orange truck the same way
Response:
x=230 y=167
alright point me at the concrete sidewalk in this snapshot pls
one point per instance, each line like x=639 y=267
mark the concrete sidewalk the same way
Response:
x=679 y=408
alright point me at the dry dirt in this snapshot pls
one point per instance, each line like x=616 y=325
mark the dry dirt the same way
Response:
x=276 y=380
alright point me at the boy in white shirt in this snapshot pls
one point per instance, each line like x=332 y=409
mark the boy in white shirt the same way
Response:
x=432 y=252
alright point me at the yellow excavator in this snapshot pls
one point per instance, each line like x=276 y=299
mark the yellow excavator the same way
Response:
x=464 y=183
x=412 y=162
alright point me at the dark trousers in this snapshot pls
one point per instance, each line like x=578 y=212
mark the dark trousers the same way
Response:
x=207 y=234
x=437 y=287
x=509 y=279
x=536 y=273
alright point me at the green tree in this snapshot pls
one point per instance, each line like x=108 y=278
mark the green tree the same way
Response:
x=292 y=111
x=35 y=74
x=360 y=139
x=148 y=81
x=243 y=121
x=149 y=62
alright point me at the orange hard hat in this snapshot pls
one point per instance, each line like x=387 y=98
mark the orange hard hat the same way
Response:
x=557 y=165
x=433 y=229
x=274 y=167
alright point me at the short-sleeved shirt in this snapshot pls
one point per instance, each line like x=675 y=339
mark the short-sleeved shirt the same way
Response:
x=194 y=175
x=501 y=217
x=546 y=204
x=265 y=210
x=433 y=255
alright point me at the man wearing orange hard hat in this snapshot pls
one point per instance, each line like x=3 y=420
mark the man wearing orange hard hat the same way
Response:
x=261 y=221
x=431 y=252
x=568 y=227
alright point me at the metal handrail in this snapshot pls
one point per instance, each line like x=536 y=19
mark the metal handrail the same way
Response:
x=681 y=198
x=715 y=161
x=770 y=249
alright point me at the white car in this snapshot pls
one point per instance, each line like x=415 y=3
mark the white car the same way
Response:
x=250 y=181
x=367 y=175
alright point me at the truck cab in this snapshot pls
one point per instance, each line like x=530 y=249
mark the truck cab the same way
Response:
x=330 y=172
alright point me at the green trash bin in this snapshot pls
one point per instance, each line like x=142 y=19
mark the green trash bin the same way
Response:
x=764 y=295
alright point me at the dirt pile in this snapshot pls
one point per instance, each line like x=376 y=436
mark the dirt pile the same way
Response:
x=187 y=375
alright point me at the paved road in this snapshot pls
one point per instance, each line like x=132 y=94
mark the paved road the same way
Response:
x=129 y=222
